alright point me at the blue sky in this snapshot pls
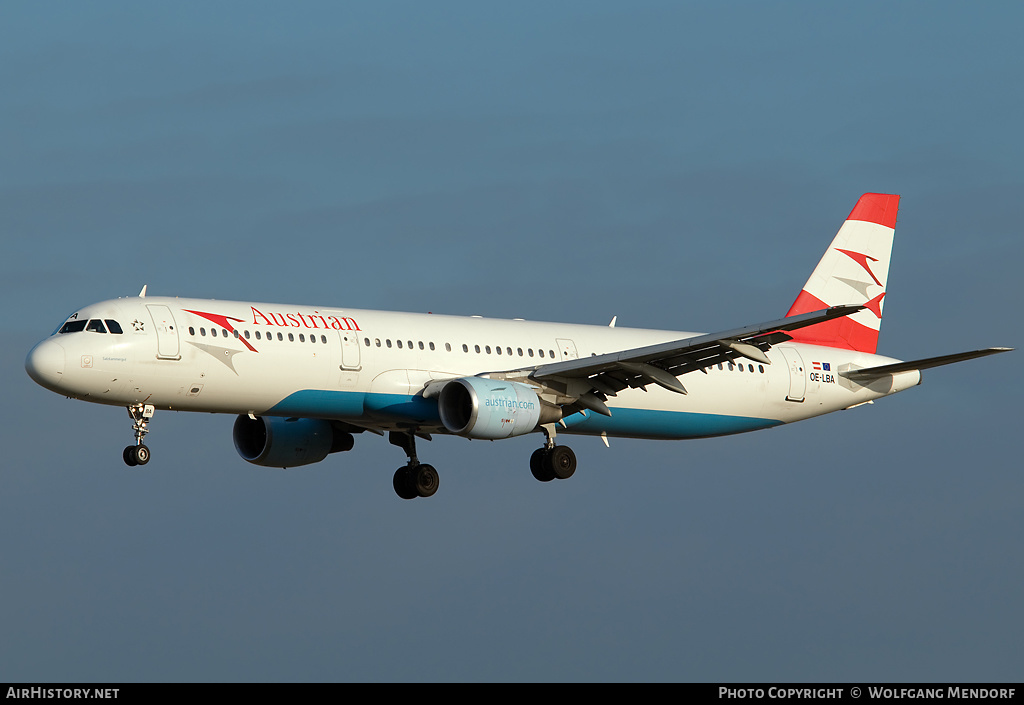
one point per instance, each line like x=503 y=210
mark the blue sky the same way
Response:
x=678 y=165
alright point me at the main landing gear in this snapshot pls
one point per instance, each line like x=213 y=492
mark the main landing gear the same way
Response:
x=414 y=479
x=552 y=461
x=138 y=454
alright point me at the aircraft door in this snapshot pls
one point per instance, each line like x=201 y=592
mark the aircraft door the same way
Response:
x=350 y=358
x=167 y=347
x=566 y=348
x=349 y=351
x=797 y=377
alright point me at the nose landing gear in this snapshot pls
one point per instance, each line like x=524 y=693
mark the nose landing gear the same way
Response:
x=138 y=454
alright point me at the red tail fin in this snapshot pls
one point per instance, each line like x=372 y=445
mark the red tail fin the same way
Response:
x=854 y=270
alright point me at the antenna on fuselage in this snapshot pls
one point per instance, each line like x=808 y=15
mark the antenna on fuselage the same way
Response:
x=142 y=294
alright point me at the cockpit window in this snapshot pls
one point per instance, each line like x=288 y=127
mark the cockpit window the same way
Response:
x=96 y=326
x=113 y=326
x=73 y=327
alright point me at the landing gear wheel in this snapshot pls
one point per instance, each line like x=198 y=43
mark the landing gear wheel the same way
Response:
x=135 y=455
x=403 y=483
x=539 y=465
x=425 y=480
x=415 y=479
x=562 y=462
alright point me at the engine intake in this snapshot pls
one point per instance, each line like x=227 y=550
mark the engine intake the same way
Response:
x=274 y=442
x=477 y=407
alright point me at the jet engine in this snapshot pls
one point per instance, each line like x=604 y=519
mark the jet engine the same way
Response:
x=274 y=442
x=477 y=407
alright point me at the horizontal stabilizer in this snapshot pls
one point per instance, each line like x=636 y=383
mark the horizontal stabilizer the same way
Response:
x=870 y=373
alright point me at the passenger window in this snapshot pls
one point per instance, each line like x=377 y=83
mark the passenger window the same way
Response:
x=541 y=353
x=448 y=347
x=520 y=351
x=96 y=326
x=551 y=354
x=487 y=349
x=213 y=332
x=257 y=335
x=465 y=348
x=529 y=351
x=497 y=349
x=365 y=340
x=235 y=333
x=477 y=348
x=115 y=327
x=191 y=330
x=388 y=341
x=302 y=338
x=410 y=345
x=323 y=339
x=431 y=344
x=399 y=344
x=421 y=345
x=280 y=337
x=291 y=337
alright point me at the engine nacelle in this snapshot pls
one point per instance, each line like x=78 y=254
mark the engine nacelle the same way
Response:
x=477 y=407
x=274 y=442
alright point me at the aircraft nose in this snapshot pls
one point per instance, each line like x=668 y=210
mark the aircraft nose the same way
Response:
x=45 y=364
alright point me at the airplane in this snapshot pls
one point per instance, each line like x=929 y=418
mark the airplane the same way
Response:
x=304 y=380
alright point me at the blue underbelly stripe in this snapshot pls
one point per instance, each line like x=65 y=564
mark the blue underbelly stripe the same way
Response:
x=632 y=423
x=647 y=423
x=315 y=403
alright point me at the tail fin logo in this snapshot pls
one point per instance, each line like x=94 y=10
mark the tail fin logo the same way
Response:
x=862 y=260
x=874 y=304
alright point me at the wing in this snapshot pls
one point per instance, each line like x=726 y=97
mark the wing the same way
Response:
x=593 y=379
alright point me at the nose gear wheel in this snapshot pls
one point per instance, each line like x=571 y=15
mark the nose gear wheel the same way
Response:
x=138 y=454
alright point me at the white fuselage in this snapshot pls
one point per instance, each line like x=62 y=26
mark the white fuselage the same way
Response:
x=371 y=367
